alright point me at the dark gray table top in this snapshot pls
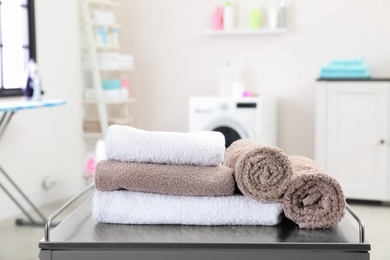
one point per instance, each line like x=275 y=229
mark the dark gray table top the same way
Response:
x=79 y=231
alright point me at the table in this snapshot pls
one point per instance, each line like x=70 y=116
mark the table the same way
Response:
x=79 y=237
x=8 y=109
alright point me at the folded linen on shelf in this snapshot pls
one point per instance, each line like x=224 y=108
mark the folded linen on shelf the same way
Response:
x=313 y=198
x=349 y=68
x=345 y=74
x=346 y=68
x=351 y=61
x=262 y=172
x=164 y=178
x=110 y=60
x=126 y=207
x=204 y=148
x=93 y=125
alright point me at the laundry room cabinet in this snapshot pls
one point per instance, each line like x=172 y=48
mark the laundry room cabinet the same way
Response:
x=352 y=135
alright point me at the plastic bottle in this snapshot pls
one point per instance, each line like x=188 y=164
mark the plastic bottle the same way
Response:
x=228 y=17
x=125 y=87
x=282 y=15
x=101 y=36
x=37 y=88
x=273 y=18
x=32 y=89
x=238 y=89
x=114 y=37
x=254 y=17
x=225 y=81
x=218 y=19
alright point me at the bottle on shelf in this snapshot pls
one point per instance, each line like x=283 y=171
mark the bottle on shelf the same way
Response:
x=254 y=17
x=218 y=19
x=282 y=15
x=272 y=18
x=101 y=36
x=228 y=17
x=125 y=86
x=225 y=81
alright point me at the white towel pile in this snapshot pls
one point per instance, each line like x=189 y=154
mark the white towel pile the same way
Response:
x=206 y=148
x=129 y=144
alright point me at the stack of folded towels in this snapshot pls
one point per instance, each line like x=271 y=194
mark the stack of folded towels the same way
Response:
x=190 y=179
x=178 y=178
x=346 y=68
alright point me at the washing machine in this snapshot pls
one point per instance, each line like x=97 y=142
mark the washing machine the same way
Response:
x=254 y=117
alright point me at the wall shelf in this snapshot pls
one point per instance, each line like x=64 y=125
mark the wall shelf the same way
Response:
x=108 y=25
x=109 y=68
x=245 y=32
x=92 y=135
x=103 y=47
x=104 y=2
x=96 y=59
x=108 y=102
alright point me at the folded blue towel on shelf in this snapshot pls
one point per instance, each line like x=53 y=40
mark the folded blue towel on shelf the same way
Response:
x=342 y=68
x=345 y=74
x=346 y=68
x=111 y=84
x=354 y=61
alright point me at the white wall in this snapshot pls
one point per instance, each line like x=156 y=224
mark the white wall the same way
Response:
x=48 y=141
x=175 y=60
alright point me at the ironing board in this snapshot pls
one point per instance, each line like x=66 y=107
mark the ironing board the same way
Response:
x=79 y=237
x=8 y=109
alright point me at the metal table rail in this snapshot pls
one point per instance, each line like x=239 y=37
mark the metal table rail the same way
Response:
x=63 y=208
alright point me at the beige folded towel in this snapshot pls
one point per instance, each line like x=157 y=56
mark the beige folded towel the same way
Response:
x=262 y=172
x=313 y=199
x=164 y=178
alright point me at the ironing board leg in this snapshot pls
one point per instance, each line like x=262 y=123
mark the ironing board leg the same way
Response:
x=4 y=121
x=22 y=222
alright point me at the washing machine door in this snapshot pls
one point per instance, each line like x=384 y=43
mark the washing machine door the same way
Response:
x=230 y=128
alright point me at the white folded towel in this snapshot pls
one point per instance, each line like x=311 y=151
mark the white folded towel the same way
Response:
x=128 y=144
x=126 y=207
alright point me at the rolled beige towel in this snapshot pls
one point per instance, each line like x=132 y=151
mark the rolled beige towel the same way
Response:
x=313 y=198
x=261 y=172
x=164 y=178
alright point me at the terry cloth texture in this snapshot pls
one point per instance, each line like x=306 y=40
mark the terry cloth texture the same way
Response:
x=128 y=144
x=313 y=199
x=127 y=207
x=164 y=178
x=261 y=172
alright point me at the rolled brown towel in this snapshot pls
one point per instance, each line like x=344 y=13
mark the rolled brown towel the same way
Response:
x=164 y=178
x=313 y=198
x=261 y=172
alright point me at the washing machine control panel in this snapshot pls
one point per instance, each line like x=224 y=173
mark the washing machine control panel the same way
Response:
x=246 y=105
x=224 y=106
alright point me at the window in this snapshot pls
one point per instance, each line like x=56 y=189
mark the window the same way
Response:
x=17 y=44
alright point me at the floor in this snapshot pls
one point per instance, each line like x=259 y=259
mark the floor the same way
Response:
x=21 y=243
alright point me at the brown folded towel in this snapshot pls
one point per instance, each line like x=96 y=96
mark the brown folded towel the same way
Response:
x=313 y=198
x=262 y=172
x=164 y=178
